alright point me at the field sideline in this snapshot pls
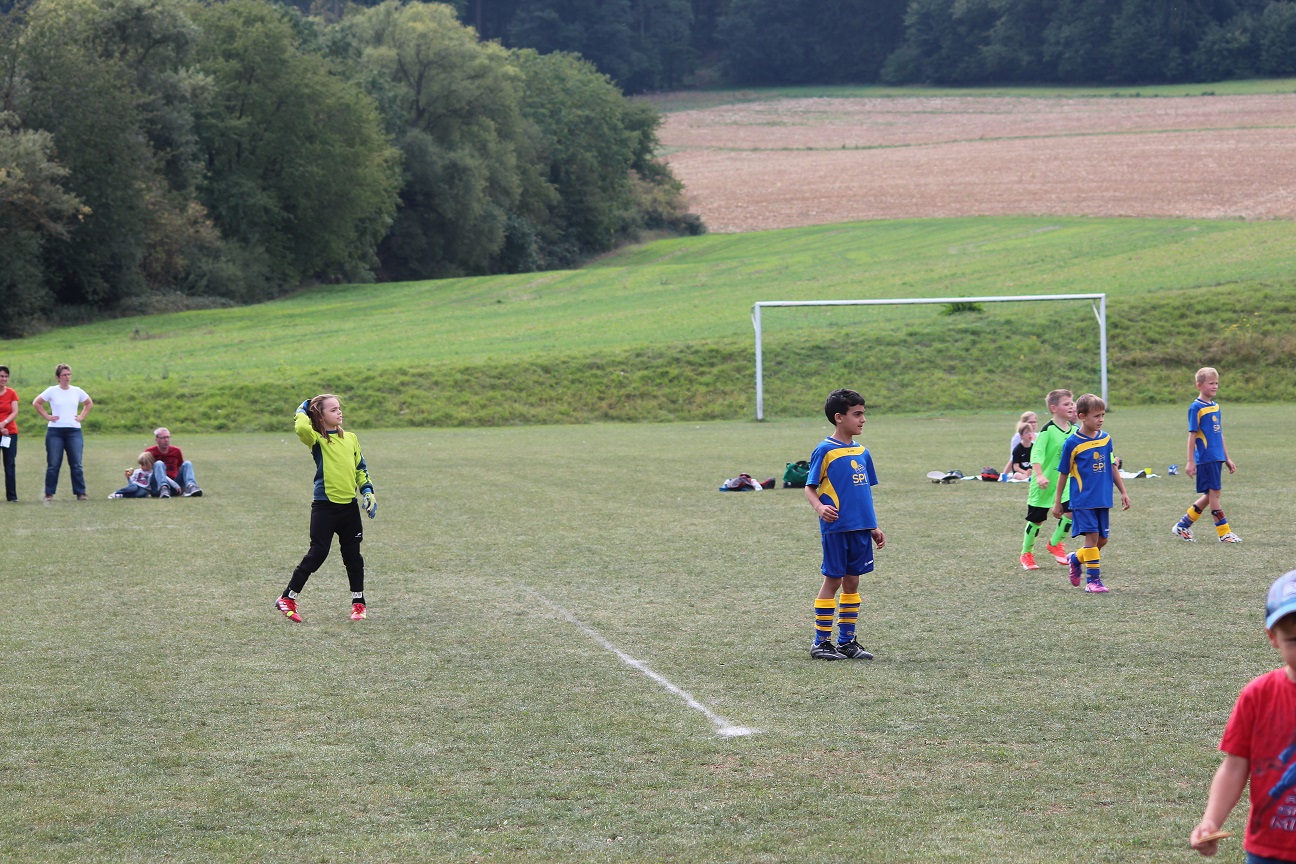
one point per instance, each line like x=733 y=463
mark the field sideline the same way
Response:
x=155 y=708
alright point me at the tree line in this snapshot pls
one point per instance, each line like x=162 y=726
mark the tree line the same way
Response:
x=648 y=45
x=157 y=152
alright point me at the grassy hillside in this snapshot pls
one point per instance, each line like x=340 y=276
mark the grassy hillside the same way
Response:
x=663 y=331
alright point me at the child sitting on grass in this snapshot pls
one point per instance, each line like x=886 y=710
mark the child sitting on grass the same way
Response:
x=1019 y=467
x=137 y=479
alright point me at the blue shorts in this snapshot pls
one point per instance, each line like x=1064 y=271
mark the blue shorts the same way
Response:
x=847 y=553
x=1208 y=476
x=1252 y=858
x=1090 y=521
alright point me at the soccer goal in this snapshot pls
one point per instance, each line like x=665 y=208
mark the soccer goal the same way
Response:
x=1099 y=308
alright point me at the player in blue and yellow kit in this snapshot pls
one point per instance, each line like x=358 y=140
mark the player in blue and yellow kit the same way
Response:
x=1087 y=463
x=340 y=471
x=839 y=486
x=1207 y=457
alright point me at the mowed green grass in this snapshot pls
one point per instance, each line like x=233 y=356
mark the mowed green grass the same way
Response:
x=663 y=331
x=679 y=290
x=155 y=708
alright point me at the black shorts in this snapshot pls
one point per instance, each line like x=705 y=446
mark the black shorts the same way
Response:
x=1039 y=515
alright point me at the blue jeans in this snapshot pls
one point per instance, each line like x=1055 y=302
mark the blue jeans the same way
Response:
x=60 y=440
x=132 y=491
x=185 y=478
x=11 y=468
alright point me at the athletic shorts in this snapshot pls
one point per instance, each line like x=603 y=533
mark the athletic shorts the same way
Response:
x=1208 y=476
x=1040 y=515
x=847 y=553
x=1090 y=521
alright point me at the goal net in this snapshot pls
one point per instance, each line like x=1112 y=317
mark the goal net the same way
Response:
x=1099 y=303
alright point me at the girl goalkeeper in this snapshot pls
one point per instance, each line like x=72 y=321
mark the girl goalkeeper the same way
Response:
x=339 y=472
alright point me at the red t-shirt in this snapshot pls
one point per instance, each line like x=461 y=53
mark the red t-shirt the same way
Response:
x=7 y=400
x=1262 y=730
x=172 y=459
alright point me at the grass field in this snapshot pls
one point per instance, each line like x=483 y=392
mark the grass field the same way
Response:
x=663 y=331
x=154 y=707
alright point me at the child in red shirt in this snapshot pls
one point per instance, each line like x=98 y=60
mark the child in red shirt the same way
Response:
x=1259 y=746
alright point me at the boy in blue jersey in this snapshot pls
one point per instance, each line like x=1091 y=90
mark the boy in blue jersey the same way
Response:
x=1207 y=457
x=1087 y=463
x=839 y=488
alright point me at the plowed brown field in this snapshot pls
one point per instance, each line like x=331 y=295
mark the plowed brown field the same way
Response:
x=809 y=161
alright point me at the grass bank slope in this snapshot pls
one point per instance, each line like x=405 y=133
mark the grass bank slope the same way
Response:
x=663 y=331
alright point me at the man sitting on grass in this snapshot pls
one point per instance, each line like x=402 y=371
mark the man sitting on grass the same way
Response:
x=170 y=466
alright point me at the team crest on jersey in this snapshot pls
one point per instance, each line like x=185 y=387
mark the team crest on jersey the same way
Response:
x=858 y=474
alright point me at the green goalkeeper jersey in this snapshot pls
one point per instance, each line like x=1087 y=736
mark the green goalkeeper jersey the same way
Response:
x=1045 y=453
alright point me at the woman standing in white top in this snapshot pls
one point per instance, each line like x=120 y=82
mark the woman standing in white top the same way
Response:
x=67 y=407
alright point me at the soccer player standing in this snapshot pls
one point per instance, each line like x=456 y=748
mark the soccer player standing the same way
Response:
x=1087 y=461
x=1207 y=456
x=340 y=471
x=839 y=488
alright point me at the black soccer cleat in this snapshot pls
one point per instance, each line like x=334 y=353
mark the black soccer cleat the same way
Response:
x=826 y=650
x=852 y=650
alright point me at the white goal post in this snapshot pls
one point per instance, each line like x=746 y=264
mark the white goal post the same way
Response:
x=1099 y=308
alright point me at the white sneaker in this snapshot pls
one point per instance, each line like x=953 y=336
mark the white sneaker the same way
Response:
x=1230 y=537
x=115 y=495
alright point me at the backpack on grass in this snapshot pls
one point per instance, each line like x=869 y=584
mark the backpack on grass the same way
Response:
x=796 y=474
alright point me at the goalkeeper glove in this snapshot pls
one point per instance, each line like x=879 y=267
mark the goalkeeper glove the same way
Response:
x=370 y=504
x=304 y=408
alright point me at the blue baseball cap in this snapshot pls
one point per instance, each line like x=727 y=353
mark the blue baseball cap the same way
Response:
x=1282 y=599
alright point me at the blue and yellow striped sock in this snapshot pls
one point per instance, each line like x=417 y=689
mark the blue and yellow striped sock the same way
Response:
x=1190 y=517
x=848 y=607
x=1221 y=523
x=823 y=612
x=1091 y=558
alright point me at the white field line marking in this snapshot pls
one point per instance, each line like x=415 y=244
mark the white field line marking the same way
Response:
x=724 y=727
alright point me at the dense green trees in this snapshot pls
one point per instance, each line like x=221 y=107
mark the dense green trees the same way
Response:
x=156 y=150
x=297 y=171
x=658 y=44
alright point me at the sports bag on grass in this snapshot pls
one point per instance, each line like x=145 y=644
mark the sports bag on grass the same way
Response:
x=794 y=476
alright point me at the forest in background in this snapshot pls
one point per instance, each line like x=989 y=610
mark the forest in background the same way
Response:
x=653 y=45
x=163 y=154
x=167 y=154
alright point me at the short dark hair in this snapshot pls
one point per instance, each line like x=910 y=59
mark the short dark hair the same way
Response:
x=4 y=369
x=839 y=402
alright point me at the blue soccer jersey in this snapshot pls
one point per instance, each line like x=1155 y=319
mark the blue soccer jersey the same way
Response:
x=1208 y=434
x=1088 y=463
x=843 y=475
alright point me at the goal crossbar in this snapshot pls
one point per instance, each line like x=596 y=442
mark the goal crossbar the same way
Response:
x=1099 y=308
